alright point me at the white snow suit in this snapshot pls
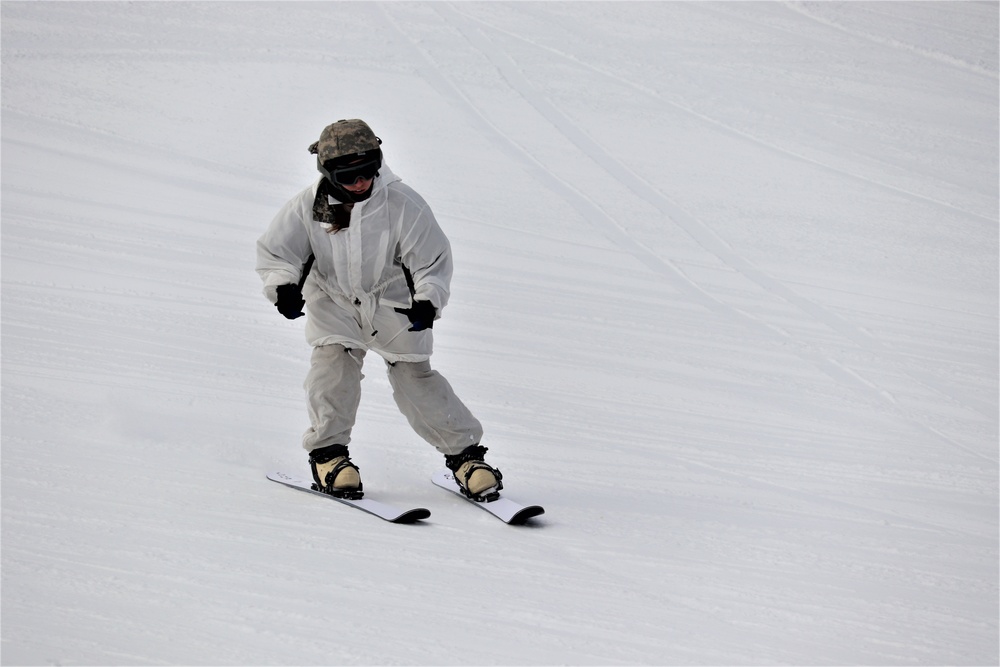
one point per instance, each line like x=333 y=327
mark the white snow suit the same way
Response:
x=351 y=293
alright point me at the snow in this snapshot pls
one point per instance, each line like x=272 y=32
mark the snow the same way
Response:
x=726 y=301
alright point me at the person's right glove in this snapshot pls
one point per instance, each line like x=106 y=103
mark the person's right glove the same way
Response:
x=290 y=302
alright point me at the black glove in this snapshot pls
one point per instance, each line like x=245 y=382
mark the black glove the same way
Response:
x=290 y=301
x=421 y=315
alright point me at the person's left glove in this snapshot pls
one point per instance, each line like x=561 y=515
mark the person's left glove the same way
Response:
x=290 y=302
x=421 y=315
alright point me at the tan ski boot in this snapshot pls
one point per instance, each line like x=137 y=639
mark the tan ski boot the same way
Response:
x=334 y=473
x=476 y=479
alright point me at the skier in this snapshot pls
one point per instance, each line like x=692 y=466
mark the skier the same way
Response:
x=362 y=253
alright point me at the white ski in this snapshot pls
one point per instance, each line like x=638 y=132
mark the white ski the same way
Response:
x=502 y=508
x=381 y=510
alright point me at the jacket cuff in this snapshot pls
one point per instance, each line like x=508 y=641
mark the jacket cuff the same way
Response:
x=275 y=280
x=433 y=293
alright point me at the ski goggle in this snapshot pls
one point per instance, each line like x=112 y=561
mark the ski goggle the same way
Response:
x=365 y=167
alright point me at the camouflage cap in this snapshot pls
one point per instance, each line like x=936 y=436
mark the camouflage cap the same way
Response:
x=345 y=137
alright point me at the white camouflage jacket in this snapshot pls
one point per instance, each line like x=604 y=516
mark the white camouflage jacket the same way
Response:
x=362 y=265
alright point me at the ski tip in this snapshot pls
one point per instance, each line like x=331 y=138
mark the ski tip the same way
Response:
x=412 y=516
x=524 y=515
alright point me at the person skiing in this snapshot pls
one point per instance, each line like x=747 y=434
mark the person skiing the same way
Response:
x=361 y=252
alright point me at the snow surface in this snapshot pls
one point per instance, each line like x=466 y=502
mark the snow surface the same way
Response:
x=725 y=300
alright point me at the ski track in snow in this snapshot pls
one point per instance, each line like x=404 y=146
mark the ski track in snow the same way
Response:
x=706 y=239
x=744 y=459
x=801 y=8
x=601 y=157
x=699 y=231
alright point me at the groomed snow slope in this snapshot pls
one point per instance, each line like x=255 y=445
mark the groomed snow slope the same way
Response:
x=725 y=300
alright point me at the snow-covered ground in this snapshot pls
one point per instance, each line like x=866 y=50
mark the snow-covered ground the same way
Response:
x=725 y=299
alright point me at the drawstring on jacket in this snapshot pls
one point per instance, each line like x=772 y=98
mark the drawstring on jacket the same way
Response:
x=367 y=311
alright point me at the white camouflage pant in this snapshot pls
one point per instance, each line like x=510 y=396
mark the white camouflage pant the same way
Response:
x=424 y=396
